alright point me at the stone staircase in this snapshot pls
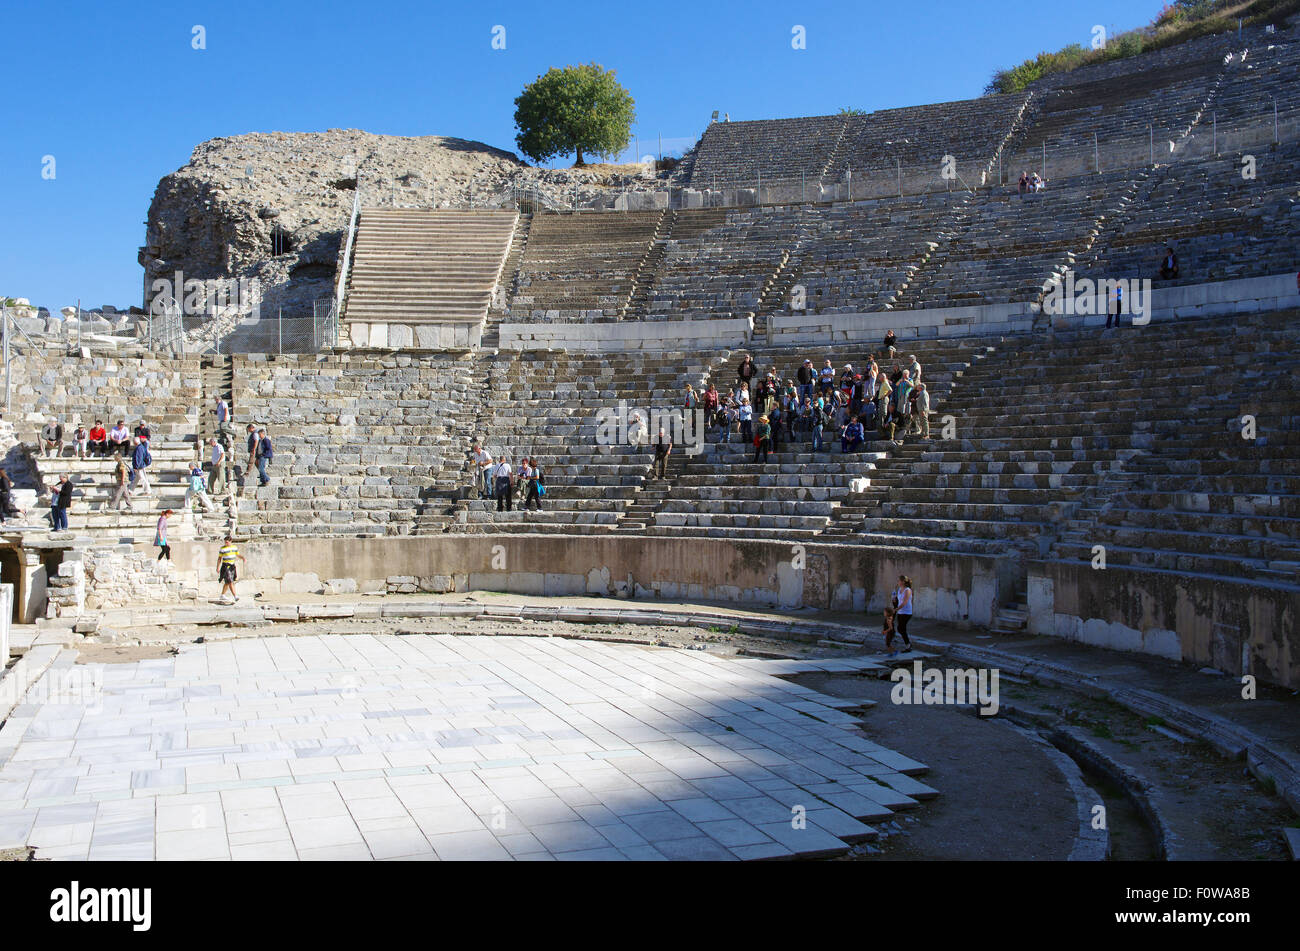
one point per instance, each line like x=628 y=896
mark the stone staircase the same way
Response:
x=418 y=266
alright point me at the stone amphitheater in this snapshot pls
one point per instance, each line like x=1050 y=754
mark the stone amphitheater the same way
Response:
x=1131 y=491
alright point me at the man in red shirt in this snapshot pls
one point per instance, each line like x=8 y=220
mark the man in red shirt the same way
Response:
x=98 y=439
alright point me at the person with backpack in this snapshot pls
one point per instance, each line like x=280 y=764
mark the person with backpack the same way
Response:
x=198 y=489
x=141 y=460
x=815 y=424
x=121 y=485
x=538 y=487
x=265 y=454
x=60 y=502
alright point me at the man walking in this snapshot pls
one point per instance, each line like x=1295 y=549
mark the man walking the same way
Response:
x=226 y=572
x=663 y=447
x=217 y=474
x=265 y=454
x=141 y=460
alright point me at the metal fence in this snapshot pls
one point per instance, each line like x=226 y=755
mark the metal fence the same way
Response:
x=1052 y=158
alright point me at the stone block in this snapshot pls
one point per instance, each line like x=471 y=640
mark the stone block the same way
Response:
x=400 y=336
x=341 y=586
x=301 y=582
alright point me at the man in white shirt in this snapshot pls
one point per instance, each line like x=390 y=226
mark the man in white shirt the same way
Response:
x=484 y=463
x=217 y=477
x=119 y=439
x=502 y=477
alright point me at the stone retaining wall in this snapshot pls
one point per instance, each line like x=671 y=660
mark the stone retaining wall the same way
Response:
x=452 y=335
x=1236 y=627
x=961 y=589
x=628 y=335
x=1221 y=298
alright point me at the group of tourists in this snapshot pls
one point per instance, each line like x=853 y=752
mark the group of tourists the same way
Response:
x=131 y=476
x=500 y=480
x=886 y=395
x=1031 y=182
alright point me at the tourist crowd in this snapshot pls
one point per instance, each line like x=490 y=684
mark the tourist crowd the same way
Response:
x=820 y=405
x=131 y=477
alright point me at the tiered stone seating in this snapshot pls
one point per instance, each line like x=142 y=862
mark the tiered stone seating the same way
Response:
x=362 y=444
x=738 y=154
x=1206 y=500
x=426 y=266
x=581 y=266
x=970 y=130
x=1221 y=224
x=722 y=271
x=164 y=392
x=858 y=254
x=547 y=406
x=796 y=493
x=1244 y=106
x=1042 y=426
x=1126 y=104
x=1005 y=245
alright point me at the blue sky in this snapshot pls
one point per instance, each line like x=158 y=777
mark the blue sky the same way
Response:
x=118 y=96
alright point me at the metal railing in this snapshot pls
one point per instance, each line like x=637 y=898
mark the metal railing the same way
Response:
x=1051 y=158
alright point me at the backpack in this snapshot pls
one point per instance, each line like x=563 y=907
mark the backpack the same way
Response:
x=148 y=457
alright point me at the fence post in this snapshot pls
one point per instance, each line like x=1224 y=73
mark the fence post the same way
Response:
x=279 y=319
x=1151 y=144
x=4 y=312
x=899 y=161
x=1275 y=138
x=1214 y=117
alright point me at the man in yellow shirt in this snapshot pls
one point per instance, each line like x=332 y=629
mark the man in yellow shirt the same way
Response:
x=226 y=572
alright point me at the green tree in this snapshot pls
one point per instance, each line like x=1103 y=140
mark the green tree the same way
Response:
x=574 y=110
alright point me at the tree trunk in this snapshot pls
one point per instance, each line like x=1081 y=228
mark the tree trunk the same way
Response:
x=579 y=161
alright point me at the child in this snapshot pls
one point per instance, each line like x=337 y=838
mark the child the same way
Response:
x=889 y=631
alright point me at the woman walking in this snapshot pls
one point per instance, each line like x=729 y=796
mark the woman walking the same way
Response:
x=902 y=602
x=160 y=539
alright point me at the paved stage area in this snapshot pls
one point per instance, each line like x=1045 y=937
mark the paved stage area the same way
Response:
x=440 y=747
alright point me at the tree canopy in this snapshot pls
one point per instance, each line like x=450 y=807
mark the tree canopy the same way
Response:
x=578 y=109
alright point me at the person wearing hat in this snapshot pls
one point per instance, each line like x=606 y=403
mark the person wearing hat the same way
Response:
x=805 y=376
x=762 y=439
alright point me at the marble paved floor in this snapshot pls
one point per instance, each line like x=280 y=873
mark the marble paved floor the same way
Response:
x=438 y=747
